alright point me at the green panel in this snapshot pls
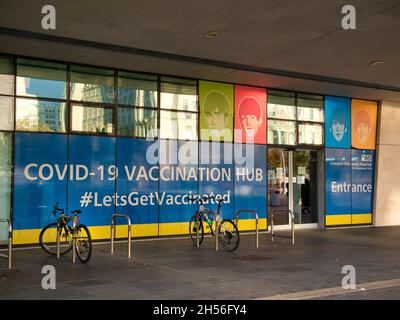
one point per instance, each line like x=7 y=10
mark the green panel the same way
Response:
x=216 y=111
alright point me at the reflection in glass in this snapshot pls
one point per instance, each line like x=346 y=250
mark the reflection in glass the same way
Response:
x=179 y=94
x=6 y=75
x=178 y=125
x=137 y=89
x=310 y=107
x=41 y=79
x=310 y=114
x=92 y=119
x=92 y=84
x=281 y=132
x=40 y=115
x=138 y=122
x=281 y=105
x=5 y=181
x=6 y=113
x=310 y=134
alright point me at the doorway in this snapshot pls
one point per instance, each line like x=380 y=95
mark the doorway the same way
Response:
x=293 y=184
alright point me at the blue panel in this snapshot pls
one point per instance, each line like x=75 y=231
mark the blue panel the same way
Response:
x=178 y=177
x=216 y=174
x=39 y=179
x=91 y=159
x=362 y=173
x=138 y=180
x=337 y=181
x=251 y=182
x=337 y=122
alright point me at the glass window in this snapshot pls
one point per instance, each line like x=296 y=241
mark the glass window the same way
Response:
x=137 y=89
x=310 y=107
x=6 y=75
x=178 y=125
x=6 y=113
x=281 y=105
x=92 y=119
x=281 y=132
x=40 y=115
x=310 y=133
x=42 y=79
x=5 y=181
x=179 y=94
x=137 y=122
x=92 y=84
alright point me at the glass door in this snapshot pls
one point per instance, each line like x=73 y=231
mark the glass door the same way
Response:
x=293 y=184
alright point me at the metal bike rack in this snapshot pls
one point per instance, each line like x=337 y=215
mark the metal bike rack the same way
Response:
x=114 y=231
x=256 y=215
x=272 y=223
x=10 y=240
x=58 y=243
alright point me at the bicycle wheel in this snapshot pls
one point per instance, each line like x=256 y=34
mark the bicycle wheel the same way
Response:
x=83 y=243
x=48 y=239
x=192 y=230
x=228 y=235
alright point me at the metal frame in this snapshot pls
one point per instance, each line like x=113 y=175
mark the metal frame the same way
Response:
x=216 y=229
x=114 y=231
x=272 y=223
x=10 y=237
x=256 y=215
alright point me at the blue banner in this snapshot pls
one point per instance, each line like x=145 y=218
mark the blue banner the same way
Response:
x=251 y=182
x=337 y=122
x=137 y=184
x=337 y=181
x=362 y=172
x=40 y=178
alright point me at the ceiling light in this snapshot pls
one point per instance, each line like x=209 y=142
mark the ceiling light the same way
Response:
x=212 y=34
x=376 y=63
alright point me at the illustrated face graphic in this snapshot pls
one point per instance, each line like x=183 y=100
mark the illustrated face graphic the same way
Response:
x=363 y=126
x=338 y=130
x=338 y=122
x=250 y=116
x=216 y=111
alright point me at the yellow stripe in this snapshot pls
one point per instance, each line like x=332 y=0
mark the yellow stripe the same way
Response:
x=338 y=219
x=364 y=218
x=31 y=236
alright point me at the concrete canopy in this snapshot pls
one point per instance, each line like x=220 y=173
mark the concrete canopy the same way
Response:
x=295 y=45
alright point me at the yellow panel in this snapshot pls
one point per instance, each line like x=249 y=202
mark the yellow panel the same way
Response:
x=250 y=224
x=362 y=218
x=31 y=236
x=338 y=219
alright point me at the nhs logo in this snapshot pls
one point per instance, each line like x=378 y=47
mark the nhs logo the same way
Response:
x=366 y=157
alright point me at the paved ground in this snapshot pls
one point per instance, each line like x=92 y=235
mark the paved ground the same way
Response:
x=173 y=269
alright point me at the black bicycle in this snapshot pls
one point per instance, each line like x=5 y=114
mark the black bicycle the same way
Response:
x=68 y=232
x=228 y=232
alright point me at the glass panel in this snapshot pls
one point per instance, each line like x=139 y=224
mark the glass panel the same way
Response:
x=281 y=105
x=137 y=89
x=310 y=133
x=278 y=187
x=178 y=125
x=310 y=108
x=281 y=132
x=305 y=183
x=39 y=115
x=180 y=94
x=92 y=119
x=6 y=75
x=5 y=181
x=92 y=84
x=37 y=78
x=6 y=113
x=138 y=122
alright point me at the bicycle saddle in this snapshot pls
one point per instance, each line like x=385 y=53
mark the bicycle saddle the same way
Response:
x=76 y=212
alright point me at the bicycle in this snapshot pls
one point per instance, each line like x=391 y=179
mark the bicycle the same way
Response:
x=228 y=232
x=67 y=234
